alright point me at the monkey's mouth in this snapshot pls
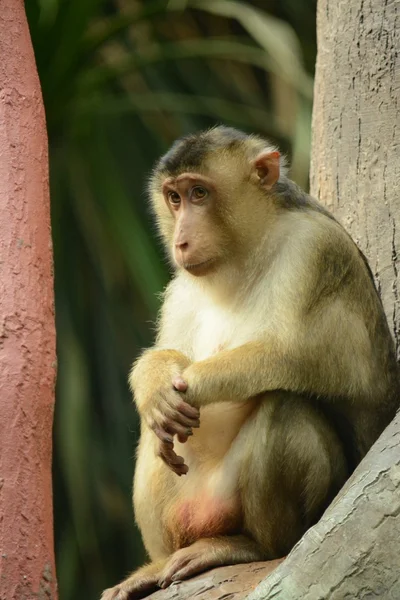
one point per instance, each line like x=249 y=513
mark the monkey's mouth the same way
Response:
x=196 y=268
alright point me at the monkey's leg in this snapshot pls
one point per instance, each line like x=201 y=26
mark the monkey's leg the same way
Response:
x=294 y=465
x=208 y=553
x=138 y=585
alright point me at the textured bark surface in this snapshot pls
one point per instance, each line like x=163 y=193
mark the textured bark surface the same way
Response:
x=27 y=336
x=226 y=583
x=355 y=168
x=353 y=552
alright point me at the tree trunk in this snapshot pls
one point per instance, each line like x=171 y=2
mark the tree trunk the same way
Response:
x=353 y=552
x=27 y=335
x=355 y=168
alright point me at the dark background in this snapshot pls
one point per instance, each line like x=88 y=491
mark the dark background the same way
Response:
x=121 y=80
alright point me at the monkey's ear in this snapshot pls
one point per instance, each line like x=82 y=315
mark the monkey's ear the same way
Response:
x=267 y=167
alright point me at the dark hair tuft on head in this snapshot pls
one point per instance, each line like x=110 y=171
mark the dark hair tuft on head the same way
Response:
x=190 y=151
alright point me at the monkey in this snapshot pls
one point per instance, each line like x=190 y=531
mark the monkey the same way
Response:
x=273 y=370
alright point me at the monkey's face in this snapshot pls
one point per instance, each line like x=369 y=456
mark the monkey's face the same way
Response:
x=211 y=194
x=199 y=237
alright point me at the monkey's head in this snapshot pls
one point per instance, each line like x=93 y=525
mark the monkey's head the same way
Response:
x=213 y=197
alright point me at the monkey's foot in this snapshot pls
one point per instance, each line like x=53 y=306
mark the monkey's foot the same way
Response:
x=208 y=553
x=187 y=562
x=135 y=587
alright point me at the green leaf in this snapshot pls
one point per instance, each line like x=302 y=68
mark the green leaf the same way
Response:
x=108 y=28
x=217 y=108
x=213 y=48
x=274 y=35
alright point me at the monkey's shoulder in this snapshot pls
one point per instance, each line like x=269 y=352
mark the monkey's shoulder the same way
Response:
x=331 y=250
x=322 y=264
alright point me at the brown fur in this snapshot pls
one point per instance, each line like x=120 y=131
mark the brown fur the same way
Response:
x=273 y=330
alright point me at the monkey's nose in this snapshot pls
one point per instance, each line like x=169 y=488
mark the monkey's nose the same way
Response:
x=182 y=246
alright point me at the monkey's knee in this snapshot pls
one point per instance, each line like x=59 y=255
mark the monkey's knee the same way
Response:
x=303 y=469
x=312 y=464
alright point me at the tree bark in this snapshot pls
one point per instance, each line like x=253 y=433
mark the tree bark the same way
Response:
x=27 y=334
x=234 y=582
x=355 y=166
x=353 y=552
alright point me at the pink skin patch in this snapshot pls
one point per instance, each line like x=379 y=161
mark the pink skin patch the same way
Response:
x=206 y=517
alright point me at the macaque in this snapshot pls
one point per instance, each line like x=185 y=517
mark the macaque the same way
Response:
x=273 y=370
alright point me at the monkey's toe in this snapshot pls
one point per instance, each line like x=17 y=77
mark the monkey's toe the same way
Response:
x=131 y=589
x=183 y=564
x=111 y=593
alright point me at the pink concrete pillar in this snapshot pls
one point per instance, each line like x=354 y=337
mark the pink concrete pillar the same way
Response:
x=27 y=335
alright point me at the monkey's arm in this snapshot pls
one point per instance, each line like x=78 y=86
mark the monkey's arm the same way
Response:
x=314 y=364
x=153 y=371
x=328 y=312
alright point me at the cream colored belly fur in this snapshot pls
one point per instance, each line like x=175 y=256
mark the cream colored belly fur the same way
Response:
x=210 y=489
x=206 y=500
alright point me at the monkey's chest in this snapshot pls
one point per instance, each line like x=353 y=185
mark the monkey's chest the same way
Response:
x=212 y=333
x=218 y=329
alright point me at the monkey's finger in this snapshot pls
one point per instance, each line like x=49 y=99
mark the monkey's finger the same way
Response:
x=162 y=434
x=172 y=426
x=110 y=593
x=172 y=568
x=176 y=464
x=188 y=421
x=167 y=451
x=183 y=438
x=171 y=457
x=179 y=384
x=165 y=426
x=157 y=422
x=172 y=460
x=188 y=411
x=177 y=469
x=192 y=568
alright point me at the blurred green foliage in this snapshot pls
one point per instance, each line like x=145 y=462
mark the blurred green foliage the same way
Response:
x=121 y=80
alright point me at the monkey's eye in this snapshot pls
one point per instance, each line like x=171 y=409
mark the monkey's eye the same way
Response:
x=174 y=198
x=199 y=193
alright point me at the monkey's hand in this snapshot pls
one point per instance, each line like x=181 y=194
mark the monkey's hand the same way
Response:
x=157 y=387
x=176 y=463
x=167 y=416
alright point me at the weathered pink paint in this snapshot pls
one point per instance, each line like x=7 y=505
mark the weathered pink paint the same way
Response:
x=27 y=335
